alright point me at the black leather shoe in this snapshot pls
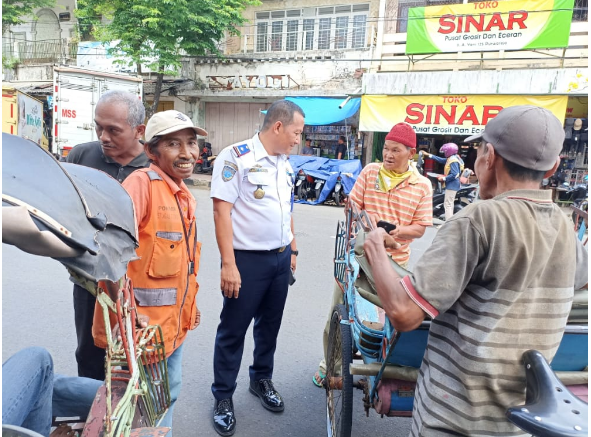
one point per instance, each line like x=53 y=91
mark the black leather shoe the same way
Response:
x=270 y=399
x=224 y=421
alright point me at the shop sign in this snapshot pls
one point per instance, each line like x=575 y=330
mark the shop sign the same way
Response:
x=30 y=118
x=445 y=115
x=489 y=26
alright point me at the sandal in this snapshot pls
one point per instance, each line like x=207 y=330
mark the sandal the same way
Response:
x=318 y=379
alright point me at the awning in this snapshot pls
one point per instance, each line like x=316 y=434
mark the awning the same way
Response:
x=325 y=110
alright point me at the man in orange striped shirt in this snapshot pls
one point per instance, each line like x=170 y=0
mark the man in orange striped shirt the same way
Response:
x=395 y=192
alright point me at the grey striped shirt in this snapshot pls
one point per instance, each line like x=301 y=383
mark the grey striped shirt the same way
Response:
x=498 y=280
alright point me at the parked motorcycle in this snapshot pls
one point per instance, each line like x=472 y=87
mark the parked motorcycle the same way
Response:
x=303 y=185
x=318 y=186
x=337 y=195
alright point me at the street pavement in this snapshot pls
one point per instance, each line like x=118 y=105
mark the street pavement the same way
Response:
x=37 y=310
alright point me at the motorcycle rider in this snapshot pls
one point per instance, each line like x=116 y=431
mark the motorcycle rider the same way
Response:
x=454 y=166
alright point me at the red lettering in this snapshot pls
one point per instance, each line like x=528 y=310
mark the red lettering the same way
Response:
x=429 y=113
x=468 y=115
x=460 y=24
x=68 y=113
x=447 y=24
x=490 y=112
x=440 y=112
x=414 y=113
x=495 y=21
x=517 y=18
x=478 y=25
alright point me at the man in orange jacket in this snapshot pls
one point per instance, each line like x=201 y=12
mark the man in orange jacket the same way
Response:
x=164 y=278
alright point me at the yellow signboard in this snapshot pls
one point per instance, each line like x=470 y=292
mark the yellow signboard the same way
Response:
x=445 y=115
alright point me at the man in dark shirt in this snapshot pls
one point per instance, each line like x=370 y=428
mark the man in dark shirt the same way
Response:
x=119 y=124
x=341 y=149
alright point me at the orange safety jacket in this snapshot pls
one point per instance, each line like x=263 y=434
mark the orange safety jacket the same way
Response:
x=164 y=278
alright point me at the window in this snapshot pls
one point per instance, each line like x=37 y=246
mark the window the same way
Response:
x=262 y=37
x=580 y=10
x=324 y=34
x=359 y=31
x=309 y=34
x=341 y=33
x=277 y=36
x=291 y=43
x=316 y=28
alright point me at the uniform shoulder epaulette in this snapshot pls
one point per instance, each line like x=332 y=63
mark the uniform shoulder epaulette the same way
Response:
x=241 y=150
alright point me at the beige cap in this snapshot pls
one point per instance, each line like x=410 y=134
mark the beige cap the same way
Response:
x=166 y=122
x=578 y=124
x=526 y=135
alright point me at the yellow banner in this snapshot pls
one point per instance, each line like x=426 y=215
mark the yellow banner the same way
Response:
x=445 y=115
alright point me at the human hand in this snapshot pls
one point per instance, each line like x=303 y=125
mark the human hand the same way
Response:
x=142 y=322
x=230 y=280
x=293 y=262
x=441 y=178
x=197 y=320
x=374 y=244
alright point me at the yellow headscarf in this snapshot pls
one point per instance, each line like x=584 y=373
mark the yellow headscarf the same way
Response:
x=388 y=179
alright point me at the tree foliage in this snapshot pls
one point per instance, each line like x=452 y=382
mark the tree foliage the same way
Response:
x=15 y=11
x=158 y=33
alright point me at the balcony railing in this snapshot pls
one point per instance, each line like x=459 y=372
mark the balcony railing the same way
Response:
x=31 y=52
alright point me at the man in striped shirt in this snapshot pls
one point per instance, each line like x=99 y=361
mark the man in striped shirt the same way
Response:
x=498 y=280
x=395 y=192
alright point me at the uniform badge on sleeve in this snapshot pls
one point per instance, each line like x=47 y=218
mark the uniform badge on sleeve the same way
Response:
x=229 y=171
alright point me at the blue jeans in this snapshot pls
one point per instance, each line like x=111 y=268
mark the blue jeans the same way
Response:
x=27 y=385
x=175 y=374
x=73 y=396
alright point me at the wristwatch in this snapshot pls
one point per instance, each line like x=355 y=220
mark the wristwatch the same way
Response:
x=295 y=252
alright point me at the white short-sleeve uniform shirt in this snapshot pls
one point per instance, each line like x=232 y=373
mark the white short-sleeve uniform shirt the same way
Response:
x=260 y=187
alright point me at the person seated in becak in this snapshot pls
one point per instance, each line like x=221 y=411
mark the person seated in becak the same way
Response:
x=395 y=192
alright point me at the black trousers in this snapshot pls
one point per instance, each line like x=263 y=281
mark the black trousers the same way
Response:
x=91 y=359
x=265 y=282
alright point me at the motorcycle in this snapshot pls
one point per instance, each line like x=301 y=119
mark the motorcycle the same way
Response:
x=303 y=185
x=318 y=186
x=465 y=195
x=205 y=162
x=337 y=195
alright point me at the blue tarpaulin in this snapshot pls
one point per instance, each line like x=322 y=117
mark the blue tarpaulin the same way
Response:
x=328 y=170
x=321 y=111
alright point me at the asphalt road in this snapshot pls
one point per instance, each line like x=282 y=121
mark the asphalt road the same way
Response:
x=37 y=310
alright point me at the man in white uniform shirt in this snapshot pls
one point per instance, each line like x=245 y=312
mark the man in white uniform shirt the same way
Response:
x=252 y=192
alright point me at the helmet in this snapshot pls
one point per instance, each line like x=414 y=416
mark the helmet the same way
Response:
x=449 y=149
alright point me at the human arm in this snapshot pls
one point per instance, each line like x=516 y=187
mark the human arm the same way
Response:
x=434 y=286
x=230 y=276
x=402 y=311
x=438 y=159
